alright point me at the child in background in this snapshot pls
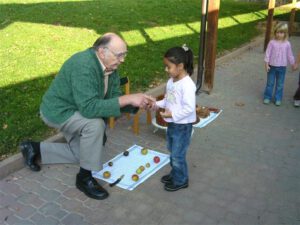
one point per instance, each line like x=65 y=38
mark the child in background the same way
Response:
x=277 y=56
x=179 y=104
x=297 y=94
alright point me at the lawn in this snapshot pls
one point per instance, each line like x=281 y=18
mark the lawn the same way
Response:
x=38 y=36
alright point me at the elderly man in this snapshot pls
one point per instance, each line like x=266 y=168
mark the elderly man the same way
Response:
x=84 y=93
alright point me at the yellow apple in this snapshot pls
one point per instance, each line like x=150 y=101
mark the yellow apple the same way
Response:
x=135 y=177
x=106 y=174
x=144 y=151
x=142 y=168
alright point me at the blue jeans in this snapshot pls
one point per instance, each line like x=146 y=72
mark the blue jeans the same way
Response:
x=276 y=76
x=178 y=141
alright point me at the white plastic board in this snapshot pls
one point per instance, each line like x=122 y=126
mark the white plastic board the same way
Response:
x=128 y=165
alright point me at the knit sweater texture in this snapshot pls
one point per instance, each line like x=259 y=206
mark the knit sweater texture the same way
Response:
x=79 y=86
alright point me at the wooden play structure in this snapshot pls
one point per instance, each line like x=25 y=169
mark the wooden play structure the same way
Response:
x=271 y=7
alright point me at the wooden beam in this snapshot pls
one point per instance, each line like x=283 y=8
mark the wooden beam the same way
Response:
x=211 y=43
x=271 y=7
x=292 y=17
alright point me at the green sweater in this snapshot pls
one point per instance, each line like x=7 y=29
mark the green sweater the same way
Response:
x=79 y=86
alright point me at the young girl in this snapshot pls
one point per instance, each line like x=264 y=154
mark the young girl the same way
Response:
x=179 y=104
x=297 y=94
x=278 y=54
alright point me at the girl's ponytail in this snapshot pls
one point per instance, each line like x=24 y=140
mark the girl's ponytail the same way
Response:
x=189 y=64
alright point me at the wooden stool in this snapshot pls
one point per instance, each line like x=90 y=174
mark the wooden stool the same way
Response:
x=136 y=120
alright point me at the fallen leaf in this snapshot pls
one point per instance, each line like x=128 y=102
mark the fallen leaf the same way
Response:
x=239 y=104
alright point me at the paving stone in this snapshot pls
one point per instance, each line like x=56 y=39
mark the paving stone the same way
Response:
x=81 y=197
x=40 y=219
x=49 y=195
x=53 y=184
x=31 y=199
x=69 y=181
x=25 y=222
x=23 y=172
x=10 y=187
x=12 y=220
x=38 y=177
x=94 y=216
x=7 y=200
x=71 y=192
x=73 y=219
x=32 y=186
x=23 y=211
x=53 y=209
x=5 y=213
x=70 y=205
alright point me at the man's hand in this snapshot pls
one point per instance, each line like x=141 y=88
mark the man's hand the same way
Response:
x=138 y=100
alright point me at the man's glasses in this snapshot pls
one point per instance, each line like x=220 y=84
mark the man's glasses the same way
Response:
x=119 y=56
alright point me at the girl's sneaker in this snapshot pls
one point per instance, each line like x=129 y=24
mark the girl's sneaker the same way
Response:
x=278 y=103
x=297 y=103
x=266 y=101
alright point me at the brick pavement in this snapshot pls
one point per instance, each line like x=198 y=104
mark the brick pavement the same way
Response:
x=244 y=167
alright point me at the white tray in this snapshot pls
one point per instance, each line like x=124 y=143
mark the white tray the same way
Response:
x=202 y=123
x=128 y=165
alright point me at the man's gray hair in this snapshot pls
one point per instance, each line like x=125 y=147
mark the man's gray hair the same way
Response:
x=102 y=41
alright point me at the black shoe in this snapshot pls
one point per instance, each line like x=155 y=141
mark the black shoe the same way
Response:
x=30 y=154
x=89 y=186
x=173 y=187
x=166 y=179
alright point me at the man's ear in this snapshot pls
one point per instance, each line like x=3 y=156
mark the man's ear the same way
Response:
x=101 y=53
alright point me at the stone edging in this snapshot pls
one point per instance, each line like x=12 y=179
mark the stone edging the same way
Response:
x=15 y=162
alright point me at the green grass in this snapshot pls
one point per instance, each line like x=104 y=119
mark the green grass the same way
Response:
x=38 y=36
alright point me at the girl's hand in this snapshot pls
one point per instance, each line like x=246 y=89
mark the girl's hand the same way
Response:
x=151 y=104
x=295 y=66
x=267 y=67
x=166 y=114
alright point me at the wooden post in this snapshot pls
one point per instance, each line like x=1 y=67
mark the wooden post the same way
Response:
x=211 y=43
x=292 y=17
x=269 y=22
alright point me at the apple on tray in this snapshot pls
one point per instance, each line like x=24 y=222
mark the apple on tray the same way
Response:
x=156 y=159
x=144 y=151
x=135 y=177
x=106 y=174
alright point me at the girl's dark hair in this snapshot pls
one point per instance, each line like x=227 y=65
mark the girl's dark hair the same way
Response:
x=183 y=55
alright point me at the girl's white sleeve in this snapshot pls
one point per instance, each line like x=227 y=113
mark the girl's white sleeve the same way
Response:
x=161 y=103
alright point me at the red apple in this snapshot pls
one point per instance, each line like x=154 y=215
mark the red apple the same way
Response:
x=156 y=159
